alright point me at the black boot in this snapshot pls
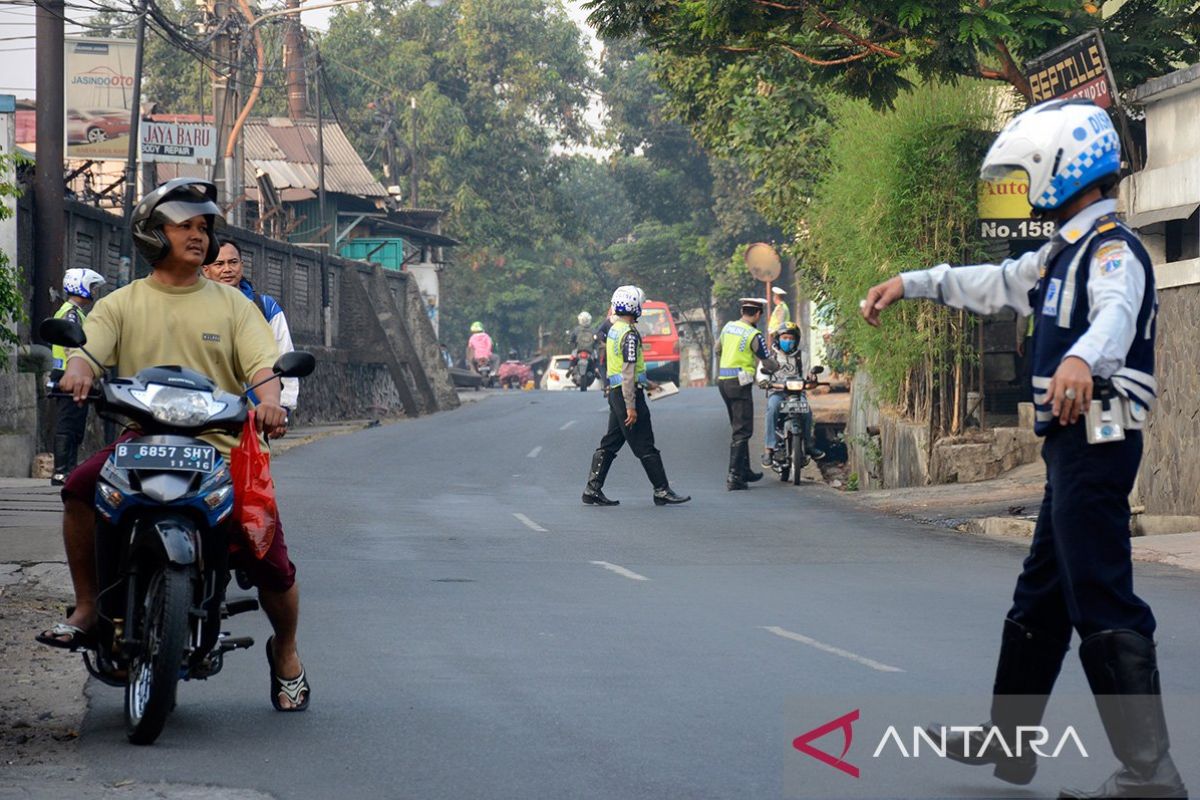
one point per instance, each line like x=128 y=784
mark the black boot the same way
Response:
x=663 y=496
x=1123 y=672
x=593 y=494
x=735 y=482
x=1025 y=673
x=748 y=475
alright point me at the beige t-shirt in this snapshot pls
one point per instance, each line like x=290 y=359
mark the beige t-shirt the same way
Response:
x=207 y=327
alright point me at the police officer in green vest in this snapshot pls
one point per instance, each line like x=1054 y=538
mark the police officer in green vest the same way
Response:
x=740 y=347
x=628 y=414
x=80 y=287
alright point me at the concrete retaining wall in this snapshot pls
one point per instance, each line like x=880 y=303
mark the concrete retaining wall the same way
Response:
x=899 y=454
x=1169 y=481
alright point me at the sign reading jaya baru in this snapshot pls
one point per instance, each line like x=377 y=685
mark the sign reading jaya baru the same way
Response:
x=188 y=142
x=1077 y=69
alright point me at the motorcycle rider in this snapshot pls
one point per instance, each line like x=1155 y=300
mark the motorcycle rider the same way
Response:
x=80 y=286
x=785 y=349
x=740 y=346
x=581 y=337
x=1090 y=291
x=628 y=414
x=229 y=269
x=479 y=347
x=175 y=317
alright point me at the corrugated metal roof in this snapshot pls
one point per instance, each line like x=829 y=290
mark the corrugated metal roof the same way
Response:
x=287 y=151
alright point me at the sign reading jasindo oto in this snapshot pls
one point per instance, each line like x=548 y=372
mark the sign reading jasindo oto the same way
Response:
x=98 y=93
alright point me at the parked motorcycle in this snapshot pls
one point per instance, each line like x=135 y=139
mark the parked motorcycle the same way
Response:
x=791 y=450
x=163 y=527
x=583 y=369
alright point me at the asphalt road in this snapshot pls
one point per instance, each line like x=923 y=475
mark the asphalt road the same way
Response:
x=472 y=631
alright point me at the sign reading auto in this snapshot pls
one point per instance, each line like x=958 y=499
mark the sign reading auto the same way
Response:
x=189 y=142
x=1004 y=210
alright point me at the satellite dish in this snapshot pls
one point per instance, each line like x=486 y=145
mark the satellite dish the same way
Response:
x=762 y=262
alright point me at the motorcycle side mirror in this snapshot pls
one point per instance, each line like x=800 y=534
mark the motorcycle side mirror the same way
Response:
x=62 y=332
x=296 y=364
x=817 y=370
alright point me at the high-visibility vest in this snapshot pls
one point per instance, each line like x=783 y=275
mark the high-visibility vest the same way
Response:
x=736 y=355
x=615 y=360
x=59 y=352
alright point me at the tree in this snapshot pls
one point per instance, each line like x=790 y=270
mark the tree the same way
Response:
x=12 y=302
x=496 y=91
x=874 y=48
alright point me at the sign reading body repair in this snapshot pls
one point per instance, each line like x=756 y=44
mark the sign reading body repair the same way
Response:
x=1078 y=68
x=99 y=93
x=183 y=142
x=1004 y=210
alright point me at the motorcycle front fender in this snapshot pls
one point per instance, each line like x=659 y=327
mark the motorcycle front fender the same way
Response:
x=173 y=538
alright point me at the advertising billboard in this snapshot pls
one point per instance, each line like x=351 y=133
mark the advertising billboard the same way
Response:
x=1005 y=212
x=99 y=91
x=1077 y=69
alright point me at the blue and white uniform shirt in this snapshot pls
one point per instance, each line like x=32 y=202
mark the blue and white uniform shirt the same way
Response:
x=1091 y=293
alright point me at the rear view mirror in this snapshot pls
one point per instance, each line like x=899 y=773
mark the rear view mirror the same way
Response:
x=62 y=332
x=296 y=364
x=817 y=370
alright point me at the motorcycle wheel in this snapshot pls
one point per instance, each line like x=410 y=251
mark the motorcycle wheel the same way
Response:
x=783 y=465
x=154 y=672
x=798 y=456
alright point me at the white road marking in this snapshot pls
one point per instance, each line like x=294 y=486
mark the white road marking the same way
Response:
x=528 y=523
x=625 y=573
x=534 y=452
x=567 y=424
x=828 y=648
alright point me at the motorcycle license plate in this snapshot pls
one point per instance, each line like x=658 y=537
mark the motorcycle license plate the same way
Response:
x=140 y=455
x=795 y=405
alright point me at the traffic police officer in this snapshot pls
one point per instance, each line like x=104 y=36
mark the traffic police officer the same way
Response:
x=628 y=414
x=740 y=347
x=1091 y=292
x=80 y=287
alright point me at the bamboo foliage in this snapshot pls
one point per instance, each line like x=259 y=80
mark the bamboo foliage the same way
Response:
x=899 y=194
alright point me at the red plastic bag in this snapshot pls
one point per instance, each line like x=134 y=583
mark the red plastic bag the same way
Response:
x=254 y=506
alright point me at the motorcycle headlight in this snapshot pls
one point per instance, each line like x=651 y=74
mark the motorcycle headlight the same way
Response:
x=795 y=386
x=172 y=405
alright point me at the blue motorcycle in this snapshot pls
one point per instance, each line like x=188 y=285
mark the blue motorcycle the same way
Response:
x=163 y=525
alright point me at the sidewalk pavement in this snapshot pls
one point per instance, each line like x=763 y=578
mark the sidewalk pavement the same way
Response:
x=1006 y=508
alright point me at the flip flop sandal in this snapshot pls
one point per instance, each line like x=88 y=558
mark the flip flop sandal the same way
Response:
x=292 y=688
x=80 y=639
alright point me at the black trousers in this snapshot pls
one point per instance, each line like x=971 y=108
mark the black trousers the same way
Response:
x=1079 y=572
x=69 y=425
x=739 y=402
x=640 y=435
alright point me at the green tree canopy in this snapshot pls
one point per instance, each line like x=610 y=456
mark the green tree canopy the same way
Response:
x=872 y=48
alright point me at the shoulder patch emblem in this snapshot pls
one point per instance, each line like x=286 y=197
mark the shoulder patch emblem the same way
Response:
x=1109 y=258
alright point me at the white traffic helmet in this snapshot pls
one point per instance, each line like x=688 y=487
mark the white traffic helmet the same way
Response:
x=628 y=300
x=1065 y=146
x=584 y=318
x=82 y=282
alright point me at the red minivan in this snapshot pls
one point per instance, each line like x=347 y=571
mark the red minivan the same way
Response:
x=660 y=341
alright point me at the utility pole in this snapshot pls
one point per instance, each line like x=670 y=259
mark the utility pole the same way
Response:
x=293 y=62
x=331 y=238
x=224 y=102
x=412 y=143
x=131 y=156
x=49 y=206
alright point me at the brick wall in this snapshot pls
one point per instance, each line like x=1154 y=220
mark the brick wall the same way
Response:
x=1169 y=482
